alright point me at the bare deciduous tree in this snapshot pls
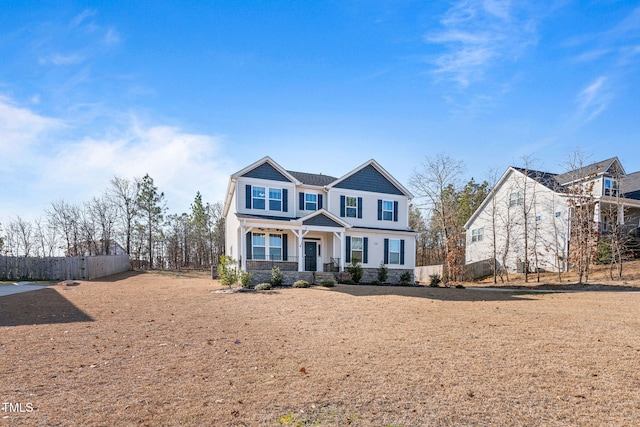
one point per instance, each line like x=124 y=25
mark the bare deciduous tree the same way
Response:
x=436 y=184
x=124 y=193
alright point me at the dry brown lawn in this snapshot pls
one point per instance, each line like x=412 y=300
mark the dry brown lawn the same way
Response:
x=164 y=350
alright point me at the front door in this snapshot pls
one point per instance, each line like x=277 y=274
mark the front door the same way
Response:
x=310 y=256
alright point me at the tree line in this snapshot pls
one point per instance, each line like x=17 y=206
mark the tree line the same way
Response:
x=129 y=217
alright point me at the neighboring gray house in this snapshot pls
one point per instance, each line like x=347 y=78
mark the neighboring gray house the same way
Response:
x=312 y=225
x=546 y=198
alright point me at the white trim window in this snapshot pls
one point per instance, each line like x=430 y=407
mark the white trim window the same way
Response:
x=258 y=197
x=275 y=247
x=310 y=202
x=477 y=235
x=610 y=187
x=387 y=210
x=394 y=251
x=351 y=207
x=516 y=198
x=275 y=199
x=357 y=249
x=258 y=246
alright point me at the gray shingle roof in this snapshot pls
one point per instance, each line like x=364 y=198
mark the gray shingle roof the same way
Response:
x=317 y=179
x=547 y=179
x=583 y=172
x=630 y=186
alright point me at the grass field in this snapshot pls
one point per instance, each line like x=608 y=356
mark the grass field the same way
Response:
x=160 y=349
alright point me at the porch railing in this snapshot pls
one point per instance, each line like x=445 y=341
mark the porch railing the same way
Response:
x=333 y=266
x=267 y=262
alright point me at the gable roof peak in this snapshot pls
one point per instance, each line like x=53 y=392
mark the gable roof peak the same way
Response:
x=394 y=184
x=267 y=160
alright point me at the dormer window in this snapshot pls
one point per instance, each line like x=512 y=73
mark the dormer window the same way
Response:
x=610 y=187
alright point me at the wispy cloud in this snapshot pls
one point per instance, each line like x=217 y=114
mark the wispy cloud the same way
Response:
x=61 y=59
x=180 y=162
x=43 y=160
x=593 y=99
x=620 y=43
x=477 y=34
x=82 y=17
x=20 y=129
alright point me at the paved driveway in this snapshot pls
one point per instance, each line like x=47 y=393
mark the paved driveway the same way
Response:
x=18 y=287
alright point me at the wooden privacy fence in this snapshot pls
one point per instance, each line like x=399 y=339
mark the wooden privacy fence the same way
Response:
x=470 y=271
x=62 y=268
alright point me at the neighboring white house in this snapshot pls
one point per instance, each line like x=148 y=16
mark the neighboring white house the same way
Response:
x=312 y=223
x=545 y=199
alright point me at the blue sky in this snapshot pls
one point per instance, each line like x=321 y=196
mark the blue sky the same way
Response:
x=195 y=92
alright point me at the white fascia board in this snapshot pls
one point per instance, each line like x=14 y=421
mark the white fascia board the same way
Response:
x=273 y=163
x=231 y=188
x=380 y=169
x=325 y=212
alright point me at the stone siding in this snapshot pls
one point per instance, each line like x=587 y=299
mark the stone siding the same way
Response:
x=369 y=275
x=288 y=277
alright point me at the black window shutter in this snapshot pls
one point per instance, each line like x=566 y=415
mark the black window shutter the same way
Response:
x=301 y=201
x=319 y=201
x=395 y=211
x=386 y=251
x=285 y=200
x=359 y=207
x=402 y=251
x=347 y=257
x=365 y=250
x=248 y=196
x=285 y=251
x=249 y=250
x=379 y=210
x=342 y=203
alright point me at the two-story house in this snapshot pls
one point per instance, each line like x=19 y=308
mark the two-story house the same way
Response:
x=308 y=224
x=539 y=204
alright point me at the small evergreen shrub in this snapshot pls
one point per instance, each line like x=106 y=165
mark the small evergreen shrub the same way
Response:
x=356 y=271
x=301 y=284
x=603 y=254
x=263 y=287
x=328 y=283
x=245 y=278
x=383 y=273
x=227 y=271
x=405 y=278
x=276 y=276
x=435 y=280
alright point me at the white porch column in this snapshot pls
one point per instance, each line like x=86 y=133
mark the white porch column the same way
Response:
x=243 y=245
x=241 y=252
x=299 y=236
x=340 y=237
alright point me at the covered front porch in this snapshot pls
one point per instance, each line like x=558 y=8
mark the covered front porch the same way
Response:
x=311 y=244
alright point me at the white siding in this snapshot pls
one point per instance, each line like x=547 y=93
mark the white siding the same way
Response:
x=241 y=193
x=547 y=226
x=376 y=248
x=370 y=209
x=232 y=225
